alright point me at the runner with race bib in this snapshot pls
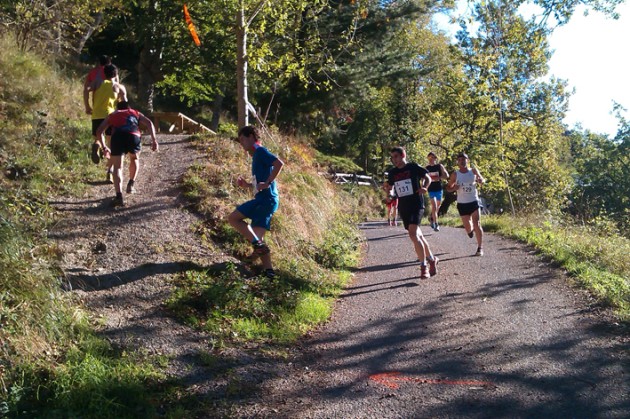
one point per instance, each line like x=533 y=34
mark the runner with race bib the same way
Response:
x=410 y=182
x=464 y=181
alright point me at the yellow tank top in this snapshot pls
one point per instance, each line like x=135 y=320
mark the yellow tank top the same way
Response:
x=104 y=100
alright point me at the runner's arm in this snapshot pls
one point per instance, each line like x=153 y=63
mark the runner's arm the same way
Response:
x=99 y=133
x=86 y=96
x=148 y=124
x=478 y=178
x=121 y=93
x=424 y=184
x=443 y=172
x=452 y=186
x=277 y=167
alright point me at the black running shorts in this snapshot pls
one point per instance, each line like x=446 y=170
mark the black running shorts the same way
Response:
x=467 y=208
x=124 y=142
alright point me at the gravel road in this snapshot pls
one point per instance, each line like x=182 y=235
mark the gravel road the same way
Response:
x=496 y=336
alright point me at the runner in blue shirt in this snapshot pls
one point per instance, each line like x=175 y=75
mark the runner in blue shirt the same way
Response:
x=265 y=169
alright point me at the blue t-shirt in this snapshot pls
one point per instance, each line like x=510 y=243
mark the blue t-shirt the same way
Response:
x=262 y=165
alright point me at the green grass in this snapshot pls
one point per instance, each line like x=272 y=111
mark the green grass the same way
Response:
x=234 y=307
x=314 y=240
x=599 y=263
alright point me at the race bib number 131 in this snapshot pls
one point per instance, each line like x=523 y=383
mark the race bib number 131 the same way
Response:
x=404 y=187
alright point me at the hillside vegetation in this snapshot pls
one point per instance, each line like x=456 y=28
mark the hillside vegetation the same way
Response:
x=51 y=361
x=50 y=358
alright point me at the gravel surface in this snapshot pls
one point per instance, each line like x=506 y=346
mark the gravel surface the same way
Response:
x=496 y=336
x=119 y=261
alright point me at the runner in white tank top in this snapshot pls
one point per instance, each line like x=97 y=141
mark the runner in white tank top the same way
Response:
x=464 y=181
x=467 y=183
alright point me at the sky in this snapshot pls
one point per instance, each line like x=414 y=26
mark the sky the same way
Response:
x=591 y=54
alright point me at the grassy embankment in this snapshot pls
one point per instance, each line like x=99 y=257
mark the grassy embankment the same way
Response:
x=313 y=241
x=52 y=363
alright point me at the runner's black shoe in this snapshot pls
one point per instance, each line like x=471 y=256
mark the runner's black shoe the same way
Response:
x=270 y=273
x=471 y=234
x=479 y=252
x=96 y=158
x=130 y=187
x=118 y=201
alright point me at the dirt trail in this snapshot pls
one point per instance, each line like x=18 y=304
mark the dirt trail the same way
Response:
x=118 y=260
x=497 y=336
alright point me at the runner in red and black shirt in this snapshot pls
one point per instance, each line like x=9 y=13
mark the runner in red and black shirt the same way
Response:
x=126 y=123
x=410 y=182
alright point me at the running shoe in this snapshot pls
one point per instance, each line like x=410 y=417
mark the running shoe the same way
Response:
x=424 y=272
x=118 y=201
x=433 y=265
x=270 y=273
x=436 y=228
x=479 y=252
x=471 y=234
x=130 y=187
x=110 y=176
x=260 y=249
x=96 y=158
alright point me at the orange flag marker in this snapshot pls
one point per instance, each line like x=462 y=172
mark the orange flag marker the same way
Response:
x=191 y=26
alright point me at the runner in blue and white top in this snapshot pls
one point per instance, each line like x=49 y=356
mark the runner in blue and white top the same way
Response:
x=464 y=181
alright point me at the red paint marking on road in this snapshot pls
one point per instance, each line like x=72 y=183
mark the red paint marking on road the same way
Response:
x=391 y=379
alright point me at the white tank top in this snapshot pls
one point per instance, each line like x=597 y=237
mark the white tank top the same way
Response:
x=467 y=191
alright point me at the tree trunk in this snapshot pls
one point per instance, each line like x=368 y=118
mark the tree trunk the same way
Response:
x=241 y=66
x=149 y=73
x=150 y=62
x=98 y=19
x=216 y=111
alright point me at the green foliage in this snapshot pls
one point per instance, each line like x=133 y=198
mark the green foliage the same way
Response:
x=58 y=26
x=601 y=172
x=496 y=109
x=336 y=163
x=92 y=381
x=337 y=248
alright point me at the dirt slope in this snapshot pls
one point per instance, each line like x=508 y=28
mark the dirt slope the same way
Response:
x=498 y=336
x=118 y=260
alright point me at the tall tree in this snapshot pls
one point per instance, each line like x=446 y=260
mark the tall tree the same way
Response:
x=514 y=127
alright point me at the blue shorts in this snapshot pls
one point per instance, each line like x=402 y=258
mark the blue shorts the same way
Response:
x=259 y=210
x=435 y=194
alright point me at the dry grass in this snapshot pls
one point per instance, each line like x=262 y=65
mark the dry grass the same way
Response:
x=308 y=201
